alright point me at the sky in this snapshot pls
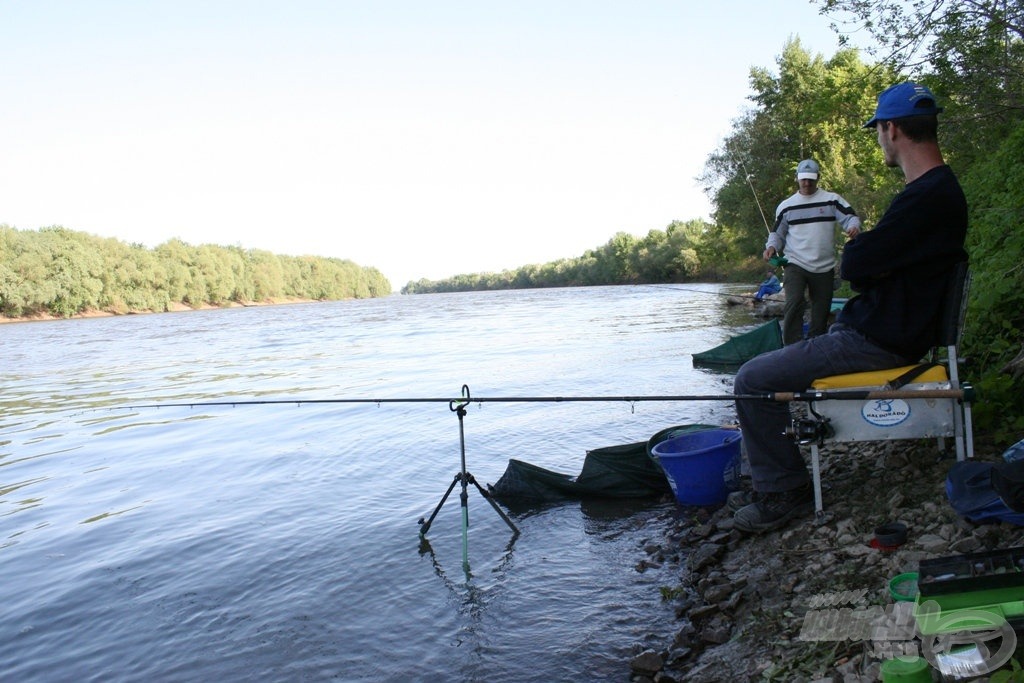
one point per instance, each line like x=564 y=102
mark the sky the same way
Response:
x=425 y=138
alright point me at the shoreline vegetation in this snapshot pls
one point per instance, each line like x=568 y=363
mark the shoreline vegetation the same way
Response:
x=172 y=308
x=63 y=273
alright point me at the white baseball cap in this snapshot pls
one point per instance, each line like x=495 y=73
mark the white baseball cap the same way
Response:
x=807 y=170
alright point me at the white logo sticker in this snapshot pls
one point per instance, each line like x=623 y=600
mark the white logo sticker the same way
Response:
x=885 y=412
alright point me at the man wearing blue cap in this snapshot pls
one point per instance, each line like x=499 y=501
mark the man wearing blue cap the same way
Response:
x=898 y=271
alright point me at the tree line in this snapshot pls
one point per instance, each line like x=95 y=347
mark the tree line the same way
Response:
x=61 y=272
x=971 y=55
x=669 y=255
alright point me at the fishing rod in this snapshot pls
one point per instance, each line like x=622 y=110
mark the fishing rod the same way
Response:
x=778 y=396
x=701 y=291
x=756 y=200
x=778 y=259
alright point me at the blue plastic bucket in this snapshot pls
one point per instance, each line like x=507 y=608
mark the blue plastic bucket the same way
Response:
x=695 y=464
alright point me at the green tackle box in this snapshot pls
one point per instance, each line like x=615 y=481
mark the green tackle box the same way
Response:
x=975 y=590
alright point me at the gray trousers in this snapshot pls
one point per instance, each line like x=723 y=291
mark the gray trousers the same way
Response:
x=819 y=286
x=776 y=463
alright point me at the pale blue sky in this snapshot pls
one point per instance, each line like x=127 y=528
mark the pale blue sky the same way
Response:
x=423 y=137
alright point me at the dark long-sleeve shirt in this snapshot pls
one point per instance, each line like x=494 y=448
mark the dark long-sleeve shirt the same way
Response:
x=900 y=269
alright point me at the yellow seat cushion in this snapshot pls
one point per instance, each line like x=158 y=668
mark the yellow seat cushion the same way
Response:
x=877 y=378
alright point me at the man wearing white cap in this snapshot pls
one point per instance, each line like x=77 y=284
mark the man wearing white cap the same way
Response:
x=898 y=270
x=805 y=230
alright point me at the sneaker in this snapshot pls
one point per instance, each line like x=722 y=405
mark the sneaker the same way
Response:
x=773 y=510
x=740 y=499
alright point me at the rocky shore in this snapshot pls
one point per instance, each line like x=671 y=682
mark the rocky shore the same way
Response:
x=742 y=601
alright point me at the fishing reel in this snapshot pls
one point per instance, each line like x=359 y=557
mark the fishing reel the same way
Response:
x=814 y=429
x=778 y=260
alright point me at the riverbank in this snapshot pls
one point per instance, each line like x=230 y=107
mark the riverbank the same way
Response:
x=742 y=601
x=176 y=307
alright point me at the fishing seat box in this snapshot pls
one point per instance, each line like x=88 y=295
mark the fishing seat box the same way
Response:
x=886 y=419
x=973 y=590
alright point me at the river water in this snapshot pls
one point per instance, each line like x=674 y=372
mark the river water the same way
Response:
x=280 y=541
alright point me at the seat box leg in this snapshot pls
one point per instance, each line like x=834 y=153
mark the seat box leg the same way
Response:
x=816 y=477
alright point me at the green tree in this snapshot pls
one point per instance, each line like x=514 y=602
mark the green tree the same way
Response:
x=75 y=270
x=996 y=310
x=970 y=52
x=267 y=275
x=64 y=272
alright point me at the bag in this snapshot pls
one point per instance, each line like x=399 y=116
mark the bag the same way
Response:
x=1008 y=482
x=971 y=492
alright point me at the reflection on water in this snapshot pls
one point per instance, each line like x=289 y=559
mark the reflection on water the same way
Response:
x=280 y=541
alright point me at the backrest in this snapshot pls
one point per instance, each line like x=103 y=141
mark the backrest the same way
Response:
x=954 y=307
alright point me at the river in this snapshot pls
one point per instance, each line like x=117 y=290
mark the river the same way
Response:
x=279 y=541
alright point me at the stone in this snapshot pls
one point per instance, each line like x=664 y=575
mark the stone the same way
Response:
x=718 y=631
x=647 y=662
x=704 y=555
x=932 y=542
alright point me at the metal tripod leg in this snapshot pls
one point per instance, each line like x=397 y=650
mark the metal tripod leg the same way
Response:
x=490 y=499
x=425 y=524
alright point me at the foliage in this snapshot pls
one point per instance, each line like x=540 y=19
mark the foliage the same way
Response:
x=992 y=334
x=669 y=593
x=969 y=52
x=1015 y=674
x=62 y=272
x=683 y=251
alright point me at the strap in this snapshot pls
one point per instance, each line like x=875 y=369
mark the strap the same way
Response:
x=909 y=376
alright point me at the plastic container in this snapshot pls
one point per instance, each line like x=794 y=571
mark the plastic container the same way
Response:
x=696 y=463
x=903 y=587
x=906 y=670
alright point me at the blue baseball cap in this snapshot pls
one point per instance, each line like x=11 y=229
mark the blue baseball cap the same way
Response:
x=904 y=99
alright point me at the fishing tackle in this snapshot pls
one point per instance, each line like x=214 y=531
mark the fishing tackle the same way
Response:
x=965 y=393
x=807 y=431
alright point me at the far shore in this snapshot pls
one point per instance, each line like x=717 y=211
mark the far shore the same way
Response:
x=174 y=308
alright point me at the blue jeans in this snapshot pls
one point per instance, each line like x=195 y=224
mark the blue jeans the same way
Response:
x=776 y=463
